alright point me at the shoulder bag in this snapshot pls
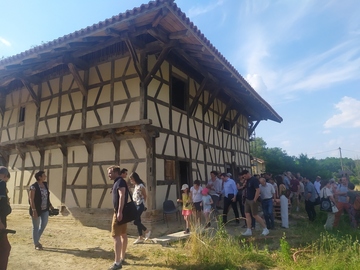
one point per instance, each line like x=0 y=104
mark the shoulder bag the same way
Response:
x=129 y=212
x=325 y=203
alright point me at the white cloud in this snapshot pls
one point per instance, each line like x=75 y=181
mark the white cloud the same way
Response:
x=267 y=32
x=348 y=116
x=256 y=81
x=199 y=10
x=5 y=42
x=326 y=131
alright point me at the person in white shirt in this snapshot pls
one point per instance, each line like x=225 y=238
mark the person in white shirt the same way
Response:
x=267 y=194
x=139 y=197
x=196 y=197
x=317 y=184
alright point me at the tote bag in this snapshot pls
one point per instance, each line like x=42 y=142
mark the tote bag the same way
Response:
x=129 y=212
x=325 y=203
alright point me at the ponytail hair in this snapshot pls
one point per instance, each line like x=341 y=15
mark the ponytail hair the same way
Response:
x=136 y=178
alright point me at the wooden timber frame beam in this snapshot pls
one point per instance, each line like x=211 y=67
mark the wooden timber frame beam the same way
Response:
x=4 y=158
x=27 y=85
x=236 y=117
x=64 y=150
x=132 y=50
x=78 y=79
x=86 y=139
x=197 y=96
x=130 y=42
x=165 y=51
x=159 y=16
x=229 y=106
x=208 y=75
x=211 y=100
x=253 y=127
x=2 y=104
x=116 y=144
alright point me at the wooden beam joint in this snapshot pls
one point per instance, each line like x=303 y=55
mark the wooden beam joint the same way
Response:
x=27 y=85
x=165 y=51
x=199 y=92
x=227 y=109
x=77 y=78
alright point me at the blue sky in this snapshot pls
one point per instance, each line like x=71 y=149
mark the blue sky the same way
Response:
x=302 y=57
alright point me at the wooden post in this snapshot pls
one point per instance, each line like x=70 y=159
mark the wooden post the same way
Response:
x=150 y=174
x=64 y=151
x=90 y=149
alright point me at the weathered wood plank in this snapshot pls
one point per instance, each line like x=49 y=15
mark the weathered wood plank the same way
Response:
x=180 y=34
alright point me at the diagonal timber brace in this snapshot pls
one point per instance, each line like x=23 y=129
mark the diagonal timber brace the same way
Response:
x=197 y=96
x=223 y=116
x=165 y=51
x=31 y=91
x=134 y=56
x=77 y=78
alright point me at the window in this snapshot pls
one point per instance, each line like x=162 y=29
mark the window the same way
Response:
x=170 y=170
x=226 y=125
x=22 y=114
x=178 y=93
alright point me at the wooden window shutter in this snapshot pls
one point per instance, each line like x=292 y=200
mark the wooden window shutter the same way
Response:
x=169 y=169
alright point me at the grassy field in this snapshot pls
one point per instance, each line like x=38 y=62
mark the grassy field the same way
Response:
x=304 y=246
x=70 y=244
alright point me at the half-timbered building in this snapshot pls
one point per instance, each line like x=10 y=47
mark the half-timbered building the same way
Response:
x=144 y=89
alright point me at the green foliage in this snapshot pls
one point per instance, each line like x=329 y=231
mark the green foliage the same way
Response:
x=284 y=249
x=318 y=250
x=278 y=161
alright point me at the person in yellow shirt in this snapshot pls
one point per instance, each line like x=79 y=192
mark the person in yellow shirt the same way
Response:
x=187 y=206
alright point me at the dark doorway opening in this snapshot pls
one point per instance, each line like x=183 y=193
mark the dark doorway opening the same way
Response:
x=184 y=173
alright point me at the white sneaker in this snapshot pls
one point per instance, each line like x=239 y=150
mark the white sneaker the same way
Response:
x=265 y=231
x=138 y=241
x=147 y=235
x=248 y=232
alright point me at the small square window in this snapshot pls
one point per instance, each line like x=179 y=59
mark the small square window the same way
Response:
x=226 y=125
x=22 y=114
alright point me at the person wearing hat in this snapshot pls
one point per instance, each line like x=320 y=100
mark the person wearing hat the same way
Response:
x=187 y=206
x=5 y=210
x=326 y=192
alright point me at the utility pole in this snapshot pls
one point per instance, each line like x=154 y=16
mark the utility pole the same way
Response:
x=342 y=167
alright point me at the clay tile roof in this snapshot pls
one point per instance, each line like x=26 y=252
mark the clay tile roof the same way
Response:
x=128 y=15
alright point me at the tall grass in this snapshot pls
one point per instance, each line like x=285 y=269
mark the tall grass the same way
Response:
x=216 y=250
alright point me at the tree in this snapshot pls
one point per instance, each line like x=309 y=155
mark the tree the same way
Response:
x=258 y=147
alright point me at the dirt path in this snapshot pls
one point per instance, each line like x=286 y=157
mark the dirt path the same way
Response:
x=68 y=244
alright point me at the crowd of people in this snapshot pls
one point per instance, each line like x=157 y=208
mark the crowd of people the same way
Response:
x=261 y=193
x=251 y=194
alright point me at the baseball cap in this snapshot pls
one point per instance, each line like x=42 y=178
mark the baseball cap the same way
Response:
x=184 y=186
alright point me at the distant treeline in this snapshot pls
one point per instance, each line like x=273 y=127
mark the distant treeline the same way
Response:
x=277 y=161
